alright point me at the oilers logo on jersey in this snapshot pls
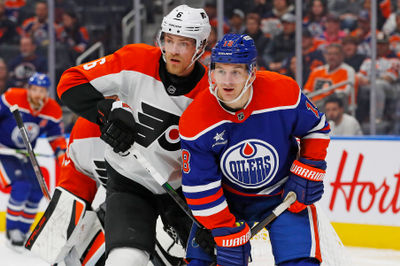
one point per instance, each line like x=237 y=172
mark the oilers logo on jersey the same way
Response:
x=33 y=132
x=251 y=163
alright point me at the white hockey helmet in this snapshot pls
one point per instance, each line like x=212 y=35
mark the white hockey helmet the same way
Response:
x=187 y=22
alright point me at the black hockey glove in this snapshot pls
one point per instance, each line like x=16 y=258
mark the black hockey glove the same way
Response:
x=206 y=241
x=117 y=124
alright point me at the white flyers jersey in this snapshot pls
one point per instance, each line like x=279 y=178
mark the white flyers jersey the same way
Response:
x=134 y=74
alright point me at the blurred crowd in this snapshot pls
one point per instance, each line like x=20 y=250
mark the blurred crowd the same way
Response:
x=336 y=49
x=336 y=54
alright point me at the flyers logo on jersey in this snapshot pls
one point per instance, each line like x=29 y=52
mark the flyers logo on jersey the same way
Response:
x=156 y=124
x=250 y=164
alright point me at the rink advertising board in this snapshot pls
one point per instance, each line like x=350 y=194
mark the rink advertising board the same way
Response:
x=362 y=187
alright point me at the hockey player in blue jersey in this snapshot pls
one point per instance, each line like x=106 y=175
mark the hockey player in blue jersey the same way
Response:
x=245 y=145
x=41 y=115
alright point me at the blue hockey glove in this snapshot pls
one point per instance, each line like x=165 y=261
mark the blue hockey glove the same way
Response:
x=306 y=180
x=117 y=124
x=233 y=246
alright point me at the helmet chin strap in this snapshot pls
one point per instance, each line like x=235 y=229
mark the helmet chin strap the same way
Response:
x=247 y=85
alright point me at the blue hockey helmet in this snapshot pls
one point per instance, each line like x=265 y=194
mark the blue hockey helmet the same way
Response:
x=39 y=79
x=235 y=49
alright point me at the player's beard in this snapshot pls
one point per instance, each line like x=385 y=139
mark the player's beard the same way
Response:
x=176 y=68
x=36 y=104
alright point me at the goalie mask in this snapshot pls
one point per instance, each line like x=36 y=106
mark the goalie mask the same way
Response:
x=186 y=22
x=233 y=49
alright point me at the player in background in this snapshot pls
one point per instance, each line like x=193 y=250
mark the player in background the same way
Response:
x=58 y=237
x=240 y=158
x=154 y=85
x=41 y=115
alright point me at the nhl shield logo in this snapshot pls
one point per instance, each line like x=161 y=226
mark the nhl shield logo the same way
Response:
x=250 y=164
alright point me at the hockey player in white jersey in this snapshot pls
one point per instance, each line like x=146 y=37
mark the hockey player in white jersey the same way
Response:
x=70 y=232
x=154 y=85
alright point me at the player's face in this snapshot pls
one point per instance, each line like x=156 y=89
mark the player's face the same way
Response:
x=178 y=54
x=333 y=111
x=37 y=96
x=230 y=80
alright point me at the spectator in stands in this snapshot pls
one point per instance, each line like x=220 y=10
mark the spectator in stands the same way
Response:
x=332 y=33
x=390 y=23
x=211 y=9
x=7 y=27
x=312 y=57
x=347 y=11
x=271 y=23
x=351 y=55
x=37 y=26
x=253 y=29
x=334 y=72
x=4 y=81
x=13 y=9
x=236 y=21
x=63 y=5
x=394 y=35
x=74 y=36
x=341 y=124
x=212 y=40
x=26 y=63
x=283 y=45
x=383 y=10
x=387 y=74
x=314 y=20
x=261 y=7
x=363 y=33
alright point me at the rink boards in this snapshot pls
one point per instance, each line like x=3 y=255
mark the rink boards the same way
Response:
x=362 y=187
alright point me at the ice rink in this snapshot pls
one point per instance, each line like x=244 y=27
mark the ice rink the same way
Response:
x=358 y=256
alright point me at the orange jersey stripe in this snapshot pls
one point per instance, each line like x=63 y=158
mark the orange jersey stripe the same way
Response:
x=223 y=218
x=205 y=200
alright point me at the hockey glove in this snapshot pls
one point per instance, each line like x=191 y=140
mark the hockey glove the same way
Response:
x=206 y=241
x=306 y=180
x=233 y=246
x=117 y=124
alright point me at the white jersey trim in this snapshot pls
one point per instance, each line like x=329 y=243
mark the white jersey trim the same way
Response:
x=211 y=211
x=194 y=189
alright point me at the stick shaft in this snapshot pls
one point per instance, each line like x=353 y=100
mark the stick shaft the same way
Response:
x=165 y=185
x=39 y=176
x=290 y=198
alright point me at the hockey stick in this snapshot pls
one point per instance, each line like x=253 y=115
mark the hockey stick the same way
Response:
x=39 y=176
x=8 y=151
x=165 y=185
x=290 y=198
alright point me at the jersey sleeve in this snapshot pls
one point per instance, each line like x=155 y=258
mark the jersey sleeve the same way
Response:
x=312 y=128
x=81 y=87
x=201 y=186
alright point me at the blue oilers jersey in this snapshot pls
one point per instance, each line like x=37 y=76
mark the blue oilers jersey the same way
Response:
x=247 y=153
x=45 y=121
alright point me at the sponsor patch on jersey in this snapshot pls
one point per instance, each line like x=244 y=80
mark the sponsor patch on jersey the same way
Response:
x=251 y=163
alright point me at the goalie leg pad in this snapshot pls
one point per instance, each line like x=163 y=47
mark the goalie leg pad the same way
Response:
x=64 y=224
x=127 y=256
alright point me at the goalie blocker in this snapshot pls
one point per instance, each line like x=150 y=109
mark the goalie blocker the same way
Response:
x=68 y=226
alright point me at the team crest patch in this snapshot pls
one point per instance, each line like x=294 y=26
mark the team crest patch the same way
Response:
x=250 y=164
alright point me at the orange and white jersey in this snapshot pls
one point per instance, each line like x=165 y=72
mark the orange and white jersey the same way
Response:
x=385 y=66
x=136 y=74
x=83 y=168
x=321 y=78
